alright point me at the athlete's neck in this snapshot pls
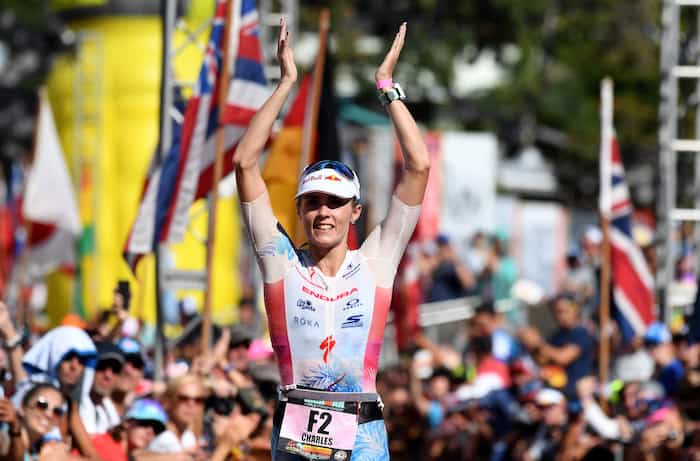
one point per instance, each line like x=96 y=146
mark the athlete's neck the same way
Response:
x=329 y=260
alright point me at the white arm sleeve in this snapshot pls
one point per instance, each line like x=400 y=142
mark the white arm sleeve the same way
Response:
x=605 y=427
x=384 y=246
x=273 y=247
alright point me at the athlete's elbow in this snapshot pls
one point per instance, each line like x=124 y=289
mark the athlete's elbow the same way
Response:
x=419 y=167
x=244 y=159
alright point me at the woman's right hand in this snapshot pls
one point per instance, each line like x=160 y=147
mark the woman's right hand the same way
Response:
x=7 y=329
x=285 y=55
x=7 y=412
x=54 y=451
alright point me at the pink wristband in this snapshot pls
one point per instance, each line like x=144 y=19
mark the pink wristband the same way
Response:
x=387 y=82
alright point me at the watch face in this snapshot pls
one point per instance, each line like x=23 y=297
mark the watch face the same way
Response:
x=391 y=94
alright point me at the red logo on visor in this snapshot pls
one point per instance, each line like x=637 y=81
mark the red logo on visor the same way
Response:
x=332 y=178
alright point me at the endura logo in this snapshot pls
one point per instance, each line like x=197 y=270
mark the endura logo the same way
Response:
x=322 y=297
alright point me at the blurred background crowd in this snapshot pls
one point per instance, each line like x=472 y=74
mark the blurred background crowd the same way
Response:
x=516 y=379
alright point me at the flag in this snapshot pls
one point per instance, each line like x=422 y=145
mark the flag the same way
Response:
x=632 y=283
x=186 y=173
x=280 y=177
x=49 y=204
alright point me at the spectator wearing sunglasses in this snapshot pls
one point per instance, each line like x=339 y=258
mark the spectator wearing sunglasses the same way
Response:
x=144 y=420
x=130 y=382
x=97 y=410
x=184 y=401
x=66 y=358
x=34 y=429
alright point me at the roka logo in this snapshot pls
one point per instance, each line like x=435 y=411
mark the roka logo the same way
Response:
x=338 y=296
x=327 y=346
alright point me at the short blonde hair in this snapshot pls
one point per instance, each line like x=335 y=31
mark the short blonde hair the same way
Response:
x=176 y=384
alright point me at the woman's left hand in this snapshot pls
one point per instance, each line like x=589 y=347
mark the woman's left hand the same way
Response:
x=385 y=71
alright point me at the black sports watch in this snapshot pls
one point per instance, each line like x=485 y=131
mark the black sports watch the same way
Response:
x=391 y=94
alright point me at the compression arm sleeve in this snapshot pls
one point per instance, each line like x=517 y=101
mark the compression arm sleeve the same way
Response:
x=274 y=249
x=385 y=245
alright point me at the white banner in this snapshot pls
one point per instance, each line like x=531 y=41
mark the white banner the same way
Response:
x=469 y=172
x=540 y=233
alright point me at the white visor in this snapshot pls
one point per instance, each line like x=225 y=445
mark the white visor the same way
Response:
x=328 y=181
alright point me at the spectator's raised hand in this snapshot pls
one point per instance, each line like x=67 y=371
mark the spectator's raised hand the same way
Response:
x=653 y=437
x=54 y=451
x=203 y=364
x=7 y=413
x=7 y=329
x=530 y=337
x=586 y=387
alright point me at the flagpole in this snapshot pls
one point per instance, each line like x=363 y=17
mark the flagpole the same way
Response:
x=230 y=33
x=165 y=138
x=311 y=120
x=308 y=140
x=606 y=111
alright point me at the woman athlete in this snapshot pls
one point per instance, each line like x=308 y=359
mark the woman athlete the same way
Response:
x=327 y=305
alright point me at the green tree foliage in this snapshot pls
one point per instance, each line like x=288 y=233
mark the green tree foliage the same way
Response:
x=554 y=54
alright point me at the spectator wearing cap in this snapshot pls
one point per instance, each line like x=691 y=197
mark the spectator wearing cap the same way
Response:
x=97 y=410
x=131 y=378
x=662 y=438
x=237 y=354
x=571 y=347
x=249 y=319
x=669 y=369
x=129 y=440
x=553 y=408
x=486 y=322
x=450 y=278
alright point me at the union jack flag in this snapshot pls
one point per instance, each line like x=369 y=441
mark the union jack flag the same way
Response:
x=632 y=283
x=186 y=173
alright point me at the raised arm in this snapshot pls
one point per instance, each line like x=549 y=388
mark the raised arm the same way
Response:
x=416 y=165
x=249 y=179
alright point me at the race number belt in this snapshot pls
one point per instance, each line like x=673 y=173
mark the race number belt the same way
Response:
x=319 y=425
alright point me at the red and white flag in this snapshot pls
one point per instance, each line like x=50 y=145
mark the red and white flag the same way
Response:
x=632 y=282
x=187 y=172
x=49 y=203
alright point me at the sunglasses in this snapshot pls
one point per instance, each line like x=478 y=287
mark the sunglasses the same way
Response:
x=334 y=165
x=109 y=365
x=182 y=398
x=43 y=405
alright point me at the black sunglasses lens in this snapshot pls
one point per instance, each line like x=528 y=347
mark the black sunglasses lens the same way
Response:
x=42 y=404
x=58 y=412
x=114 y=366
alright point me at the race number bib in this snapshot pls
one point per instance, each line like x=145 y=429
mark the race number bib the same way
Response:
x=319 y=430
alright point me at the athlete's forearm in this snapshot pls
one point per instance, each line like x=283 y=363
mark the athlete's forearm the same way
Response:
x=254 y=139
x=413 y=148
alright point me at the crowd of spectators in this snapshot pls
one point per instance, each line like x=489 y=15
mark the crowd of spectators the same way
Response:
x=532 y=392
x=506 y=392
x=87 y=391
